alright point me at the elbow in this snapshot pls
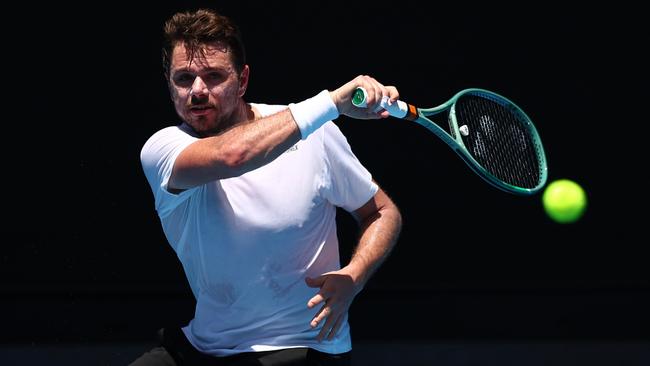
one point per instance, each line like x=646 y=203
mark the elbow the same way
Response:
x=398 y=219
x=233 y=158
x=392 y=216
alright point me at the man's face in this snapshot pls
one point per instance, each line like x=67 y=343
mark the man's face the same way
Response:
x=206 y=91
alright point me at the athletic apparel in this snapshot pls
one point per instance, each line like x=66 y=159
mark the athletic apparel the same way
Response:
x=247 y=243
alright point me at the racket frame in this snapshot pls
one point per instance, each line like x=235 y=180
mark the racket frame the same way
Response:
x=454 y=140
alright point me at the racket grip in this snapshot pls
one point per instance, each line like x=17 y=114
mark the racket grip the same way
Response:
x=398 y=109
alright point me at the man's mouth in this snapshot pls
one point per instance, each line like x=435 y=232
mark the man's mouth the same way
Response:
x=200 y=109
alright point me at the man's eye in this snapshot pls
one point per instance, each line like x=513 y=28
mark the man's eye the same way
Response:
x=214 y=76
x=183 y=78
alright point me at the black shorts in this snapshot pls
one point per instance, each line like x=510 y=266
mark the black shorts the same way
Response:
x=177 y=350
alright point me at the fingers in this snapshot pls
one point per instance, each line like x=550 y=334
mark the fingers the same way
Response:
x=393 y=97
x=332 y=314
x=374 y=90
x=389 y=95
x=322 y=314
x=333 y=321
x=319 y=298
x=335 y=296
x=321 y=295
x=375 y=93
x=393 y=94
x=330 y=330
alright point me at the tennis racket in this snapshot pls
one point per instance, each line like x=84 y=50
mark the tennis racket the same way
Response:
x=489 y=132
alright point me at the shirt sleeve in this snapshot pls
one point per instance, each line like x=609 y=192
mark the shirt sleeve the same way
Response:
x=157 y=158
x=349 y=183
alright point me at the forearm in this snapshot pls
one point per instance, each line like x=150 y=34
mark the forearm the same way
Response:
x=249 y=145
x=379 y=233
x=242 y=148
x=254 y=144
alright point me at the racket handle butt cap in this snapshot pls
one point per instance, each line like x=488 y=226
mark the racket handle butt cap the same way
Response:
x=398 y=109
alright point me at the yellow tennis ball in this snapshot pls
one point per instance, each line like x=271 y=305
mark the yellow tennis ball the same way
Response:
x=564 y=201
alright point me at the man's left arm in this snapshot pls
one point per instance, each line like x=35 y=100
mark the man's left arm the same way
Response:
x=380 y=223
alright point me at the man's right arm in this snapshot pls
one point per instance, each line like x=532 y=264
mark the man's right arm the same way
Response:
x=240 y=149
x=255 y=143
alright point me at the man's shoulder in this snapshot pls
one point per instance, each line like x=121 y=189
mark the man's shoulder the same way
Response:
x=167 y=137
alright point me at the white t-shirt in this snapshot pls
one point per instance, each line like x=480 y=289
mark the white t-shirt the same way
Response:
x=247 y=243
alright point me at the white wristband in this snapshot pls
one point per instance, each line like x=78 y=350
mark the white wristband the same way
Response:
x=312 y=113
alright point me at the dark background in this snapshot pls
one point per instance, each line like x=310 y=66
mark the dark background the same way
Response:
x=85 y=259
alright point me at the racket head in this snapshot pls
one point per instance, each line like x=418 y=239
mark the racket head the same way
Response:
x=496 y=139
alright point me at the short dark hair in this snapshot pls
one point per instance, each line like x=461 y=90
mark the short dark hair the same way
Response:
x=200 y=27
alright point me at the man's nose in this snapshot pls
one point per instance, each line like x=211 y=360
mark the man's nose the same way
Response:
x=199 y=88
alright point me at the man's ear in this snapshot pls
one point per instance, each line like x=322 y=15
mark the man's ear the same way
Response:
x=243 y=81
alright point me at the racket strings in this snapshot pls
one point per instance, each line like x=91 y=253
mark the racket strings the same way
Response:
x=499 y=140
